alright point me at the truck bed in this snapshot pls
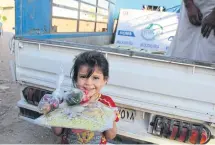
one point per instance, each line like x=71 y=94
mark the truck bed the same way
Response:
x=140 y=83
x=144 y=81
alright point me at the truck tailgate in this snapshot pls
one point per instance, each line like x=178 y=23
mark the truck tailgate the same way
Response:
x=136 y=82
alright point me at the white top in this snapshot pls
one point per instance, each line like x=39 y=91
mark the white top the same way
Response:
x=188 y=41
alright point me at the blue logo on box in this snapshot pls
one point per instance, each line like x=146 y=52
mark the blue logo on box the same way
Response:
x=126 y=33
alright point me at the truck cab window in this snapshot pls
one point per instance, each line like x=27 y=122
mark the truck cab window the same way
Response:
x=80 y=16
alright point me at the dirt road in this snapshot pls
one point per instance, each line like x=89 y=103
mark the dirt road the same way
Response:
x=13 y=129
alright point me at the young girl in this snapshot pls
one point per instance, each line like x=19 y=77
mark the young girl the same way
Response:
x=90 y=72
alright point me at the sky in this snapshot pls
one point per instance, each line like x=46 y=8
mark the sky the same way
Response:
x=137 y=4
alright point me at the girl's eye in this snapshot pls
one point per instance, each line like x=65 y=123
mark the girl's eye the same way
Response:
x=95 y=78
x=82 y=76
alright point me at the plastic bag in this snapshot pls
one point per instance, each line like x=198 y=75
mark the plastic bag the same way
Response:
x=49 y=102
x=94 y=117
x=72 y=109
x=76 y=97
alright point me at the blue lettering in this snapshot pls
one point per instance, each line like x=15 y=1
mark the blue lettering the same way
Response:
x=149 y=45
x=124 y=42
x=126 y=33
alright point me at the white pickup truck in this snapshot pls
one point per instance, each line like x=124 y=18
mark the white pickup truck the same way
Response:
x=162 y=100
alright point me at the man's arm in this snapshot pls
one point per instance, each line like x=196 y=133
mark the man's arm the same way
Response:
x=208 y=24
x=193 y=12
x=188 y=3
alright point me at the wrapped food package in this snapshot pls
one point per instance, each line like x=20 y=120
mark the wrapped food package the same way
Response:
x=94 y=116
x=72 y=109
x=76 y=97
x=48 y=103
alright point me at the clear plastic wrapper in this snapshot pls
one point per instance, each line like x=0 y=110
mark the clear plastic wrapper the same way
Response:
x=49 y=102
x=72 y=109
x=94 y=116
x=76 y=97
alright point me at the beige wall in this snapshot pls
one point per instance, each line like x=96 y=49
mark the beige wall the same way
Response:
x=10 y=22
x=66 y=25
x=6 y=3
x=93 y=40
x=7 y=9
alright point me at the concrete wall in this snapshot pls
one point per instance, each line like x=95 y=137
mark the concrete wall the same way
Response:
x=7 y=8
x=92 y=40
x=6 y=3
x=10 y=22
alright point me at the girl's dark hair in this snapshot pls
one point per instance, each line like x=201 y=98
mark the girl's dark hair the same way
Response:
x=91 y=59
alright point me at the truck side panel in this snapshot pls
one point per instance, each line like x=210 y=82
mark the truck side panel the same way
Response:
x=139 y=83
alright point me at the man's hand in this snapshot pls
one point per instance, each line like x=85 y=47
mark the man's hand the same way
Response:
x=208 y=24
x=193 y=12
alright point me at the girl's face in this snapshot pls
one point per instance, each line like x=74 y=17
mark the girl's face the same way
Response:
x=93 y=84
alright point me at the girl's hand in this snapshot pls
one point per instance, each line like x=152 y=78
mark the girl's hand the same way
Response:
x=111 y=133
x=117 y=115
x=86 y=98
x=57 y=130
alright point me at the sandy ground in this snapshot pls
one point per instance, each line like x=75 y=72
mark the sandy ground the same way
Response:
x=12 y=129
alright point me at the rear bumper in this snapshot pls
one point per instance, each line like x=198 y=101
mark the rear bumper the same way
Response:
x=124 y=129
x=143 y=138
